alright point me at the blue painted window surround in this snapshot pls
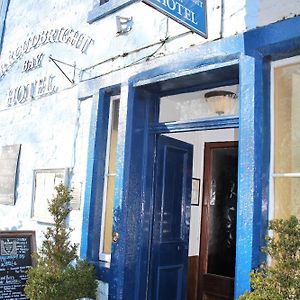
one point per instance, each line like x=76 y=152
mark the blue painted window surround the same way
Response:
x=3 y=12
x=106 y=7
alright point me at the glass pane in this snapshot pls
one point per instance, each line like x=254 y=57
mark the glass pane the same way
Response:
x=222 y=212
x=287 y=191
x=190 y=106
x=286 y=117
x=110 y=180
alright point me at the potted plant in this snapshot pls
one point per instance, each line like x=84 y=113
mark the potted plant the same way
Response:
x=58 y=273
x=279 y=280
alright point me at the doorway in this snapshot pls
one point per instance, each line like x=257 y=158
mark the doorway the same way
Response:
x=179 y=270
x=218 y=222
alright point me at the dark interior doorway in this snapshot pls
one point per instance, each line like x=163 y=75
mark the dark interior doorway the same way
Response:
x=218 y=222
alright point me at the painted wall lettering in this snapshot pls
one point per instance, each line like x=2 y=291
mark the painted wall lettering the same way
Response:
x=33 y=63
x=39 y=88
x=68 y=36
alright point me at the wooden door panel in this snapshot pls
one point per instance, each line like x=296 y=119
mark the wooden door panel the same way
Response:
x=169 y=250
x=219 y=286
x=218 y=228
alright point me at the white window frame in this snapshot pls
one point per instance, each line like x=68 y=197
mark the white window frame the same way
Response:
x=103 y=256
x=273 y=175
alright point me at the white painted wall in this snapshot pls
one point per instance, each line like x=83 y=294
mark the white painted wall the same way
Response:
x=272 y=11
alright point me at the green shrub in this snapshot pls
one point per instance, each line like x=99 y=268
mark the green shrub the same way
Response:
x=281 y=279
x=58 y=273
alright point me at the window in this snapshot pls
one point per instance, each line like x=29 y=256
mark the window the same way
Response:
x=192 y=106
x=109 y=180
x=286 y=138
x=3 y=13
x=102 y=8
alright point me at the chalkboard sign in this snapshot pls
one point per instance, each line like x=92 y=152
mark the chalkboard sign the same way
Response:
x=16 y=248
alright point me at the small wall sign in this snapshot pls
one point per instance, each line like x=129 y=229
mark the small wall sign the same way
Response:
x=45 y=181
x=16 y=248
x=195 y=191
x=9 y=157
x=190 y=13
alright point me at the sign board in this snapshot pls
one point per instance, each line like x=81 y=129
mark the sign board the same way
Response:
x=16 y=248
x=190 y=13
x=9 y=156
x=45 y=181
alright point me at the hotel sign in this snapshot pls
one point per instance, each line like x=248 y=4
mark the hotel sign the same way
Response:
x=190 y=13
x=44 y=85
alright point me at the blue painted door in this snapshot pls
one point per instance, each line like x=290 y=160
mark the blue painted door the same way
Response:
x=169 y=249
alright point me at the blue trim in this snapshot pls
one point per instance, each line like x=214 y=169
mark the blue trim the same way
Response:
x=92 y=212
x=263 y=45
x=3 y=13
x=278 y=40
x=110 y=7
x=211 y=56
x=206 y=124
x=246 y=180
x=203 y=68
x=121 y=260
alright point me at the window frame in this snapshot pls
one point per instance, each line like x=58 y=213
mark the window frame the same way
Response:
x=100 y=11
x=104 y=256
x=3 y=13
x=273 y=174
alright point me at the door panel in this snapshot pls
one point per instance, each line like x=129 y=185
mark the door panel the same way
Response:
x=218 y=232
x=169 y=250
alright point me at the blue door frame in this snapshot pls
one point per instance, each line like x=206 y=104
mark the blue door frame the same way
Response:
x=252 y=53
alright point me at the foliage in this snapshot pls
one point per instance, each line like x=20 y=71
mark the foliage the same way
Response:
x=58 y=273
x=281 y=279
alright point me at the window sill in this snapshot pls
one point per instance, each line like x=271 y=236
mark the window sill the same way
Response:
x=101 y=11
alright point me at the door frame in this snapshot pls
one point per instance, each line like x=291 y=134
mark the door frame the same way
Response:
x=203 y=249
x=233 y=123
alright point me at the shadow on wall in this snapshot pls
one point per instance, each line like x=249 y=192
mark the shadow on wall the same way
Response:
x=14 y=227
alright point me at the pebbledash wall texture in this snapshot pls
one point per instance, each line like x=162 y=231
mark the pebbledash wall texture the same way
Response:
x=55 y=58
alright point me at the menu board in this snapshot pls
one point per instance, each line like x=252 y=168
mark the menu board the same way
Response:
x=16 y=248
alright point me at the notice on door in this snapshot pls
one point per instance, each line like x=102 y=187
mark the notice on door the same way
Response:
x=16 y=248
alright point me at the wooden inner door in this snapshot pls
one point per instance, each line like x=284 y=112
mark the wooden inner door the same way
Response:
x=218 y=222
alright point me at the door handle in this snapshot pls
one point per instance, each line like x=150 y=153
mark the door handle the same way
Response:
x=115 y=237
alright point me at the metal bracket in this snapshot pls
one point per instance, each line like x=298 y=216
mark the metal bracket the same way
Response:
x=57 y=62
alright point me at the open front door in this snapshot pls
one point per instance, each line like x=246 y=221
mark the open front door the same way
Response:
x=169 y=250
x=218 y=230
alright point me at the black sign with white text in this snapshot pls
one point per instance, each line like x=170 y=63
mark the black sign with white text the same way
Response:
x=16 y=248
